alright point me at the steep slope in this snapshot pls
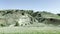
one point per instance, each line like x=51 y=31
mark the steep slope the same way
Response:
x=16 y=18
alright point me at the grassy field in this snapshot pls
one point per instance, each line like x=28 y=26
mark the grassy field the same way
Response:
x=30 y=30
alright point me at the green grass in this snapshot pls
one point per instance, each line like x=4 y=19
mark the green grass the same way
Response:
x=50 y=15
x=30 y=30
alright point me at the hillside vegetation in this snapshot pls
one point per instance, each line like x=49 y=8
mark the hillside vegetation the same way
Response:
x=28 y=18
x=29 y=22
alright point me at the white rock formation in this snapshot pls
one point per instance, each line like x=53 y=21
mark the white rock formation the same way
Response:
x=24 y=19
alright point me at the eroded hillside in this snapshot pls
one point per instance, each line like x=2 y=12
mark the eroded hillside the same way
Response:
x=27 y=18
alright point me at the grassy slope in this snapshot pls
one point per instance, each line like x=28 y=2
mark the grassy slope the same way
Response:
x=30 y=30
x=50 y=15
x=47 y=15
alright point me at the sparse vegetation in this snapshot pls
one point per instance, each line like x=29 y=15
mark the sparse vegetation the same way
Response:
x=39 y=16
x=29 y=22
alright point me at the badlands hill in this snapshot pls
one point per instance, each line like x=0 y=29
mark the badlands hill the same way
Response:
x=9 y=18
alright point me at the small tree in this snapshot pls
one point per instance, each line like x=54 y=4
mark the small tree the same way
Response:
x=58 y=14
x=17 y=24
x=2 y=25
